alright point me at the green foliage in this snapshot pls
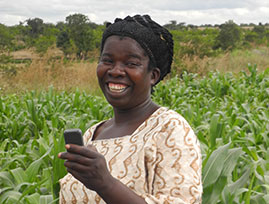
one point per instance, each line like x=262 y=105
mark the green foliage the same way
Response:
x=36 y=27
x=6 y=68
x=251 y=36
x=97 y=36
x=78 y=36
x=64 y=43
x=5 y=37
x=194 y=42
x=229 y=36
x=44 y=42
x=258 y=35
x=81 y=33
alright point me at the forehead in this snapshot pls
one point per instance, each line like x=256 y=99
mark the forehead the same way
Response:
x=128 y=44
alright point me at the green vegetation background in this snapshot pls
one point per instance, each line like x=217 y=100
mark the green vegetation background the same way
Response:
x=228 y=111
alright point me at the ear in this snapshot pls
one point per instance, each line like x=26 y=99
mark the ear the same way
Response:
x=155 y=75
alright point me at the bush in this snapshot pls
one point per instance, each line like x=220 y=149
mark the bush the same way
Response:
x=43 y=43
x=229 y=36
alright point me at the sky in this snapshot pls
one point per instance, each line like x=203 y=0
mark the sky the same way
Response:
x=196 y=12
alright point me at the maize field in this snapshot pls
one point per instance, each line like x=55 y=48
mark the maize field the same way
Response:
x=228 y=112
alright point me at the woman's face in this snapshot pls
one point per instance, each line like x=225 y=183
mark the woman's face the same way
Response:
x=123 y=73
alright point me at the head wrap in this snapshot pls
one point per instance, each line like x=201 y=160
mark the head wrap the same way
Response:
x=153 y=38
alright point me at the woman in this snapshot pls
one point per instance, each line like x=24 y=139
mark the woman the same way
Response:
x=145 y=153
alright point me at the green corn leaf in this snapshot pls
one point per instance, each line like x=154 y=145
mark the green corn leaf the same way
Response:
x=239 y=183
x=6 y=178
x=21 y=186
x=10 y=197
x=19 y=175
x=214 y=165
x=43 y=145
x=45 y=130
x=231 y=161
x=47 y=173
x=35 y=166
x=266 y=197
x=212 y=195
x=32 y=187
x=2 y=190
x=216 y=129
x=58 y=168
x=45 y=199
x=33 y=198
x=76 y=99
x=258 y=199
x=4 y=144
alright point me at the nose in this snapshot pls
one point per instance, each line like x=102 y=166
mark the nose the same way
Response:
x=117 y=70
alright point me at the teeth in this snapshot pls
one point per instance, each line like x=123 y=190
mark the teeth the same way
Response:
x=116 y=87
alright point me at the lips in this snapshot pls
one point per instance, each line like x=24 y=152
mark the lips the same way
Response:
x=116 y=88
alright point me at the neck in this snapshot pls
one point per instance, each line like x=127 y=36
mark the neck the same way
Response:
x=136 y=114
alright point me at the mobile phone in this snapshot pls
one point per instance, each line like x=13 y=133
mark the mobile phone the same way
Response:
x=73 y=136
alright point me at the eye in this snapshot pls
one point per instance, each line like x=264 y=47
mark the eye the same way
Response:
x=106 y=61
x=133 y=64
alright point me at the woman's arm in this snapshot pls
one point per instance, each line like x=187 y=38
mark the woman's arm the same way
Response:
x=89 y=167
x=177 y=166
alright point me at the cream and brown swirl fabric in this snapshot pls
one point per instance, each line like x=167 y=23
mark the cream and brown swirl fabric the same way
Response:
x=160 y=161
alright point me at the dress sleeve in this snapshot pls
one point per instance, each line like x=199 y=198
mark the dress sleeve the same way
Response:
x=177 y=168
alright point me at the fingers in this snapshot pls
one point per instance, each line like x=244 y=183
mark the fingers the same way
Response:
x=89 y=151
x=74 y=166
x=79 y=154
x=71 y=157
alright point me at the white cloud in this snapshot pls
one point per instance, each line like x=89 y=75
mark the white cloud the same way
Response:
x=192 y=12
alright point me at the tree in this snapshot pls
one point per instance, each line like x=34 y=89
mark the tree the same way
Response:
x=64 y=42
x=74 y=21
x=260 y=30
x=61 y=26
x=229 y=36
x=36 y=26
x=80 y=31
x=173 y=25
x=5 y=37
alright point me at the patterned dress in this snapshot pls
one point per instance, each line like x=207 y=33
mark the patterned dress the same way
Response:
x=160 y=161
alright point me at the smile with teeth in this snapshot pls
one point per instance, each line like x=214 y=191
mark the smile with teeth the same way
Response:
x=116 y=87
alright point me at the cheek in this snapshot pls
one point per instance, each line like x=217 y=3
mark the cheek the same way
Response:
x=100 y=71
x=137 y=75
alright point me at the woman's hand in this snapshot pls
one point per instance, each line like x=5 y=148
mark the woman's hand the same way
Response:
x=88 y=166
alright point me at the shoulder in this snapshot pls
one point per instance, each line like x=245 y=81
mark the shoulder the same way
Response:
x=170 y=116
x=175 y=127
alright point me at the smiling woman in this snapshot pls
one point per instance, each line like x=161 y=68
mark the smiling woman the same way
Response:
x=123 y=73
x=145 y=153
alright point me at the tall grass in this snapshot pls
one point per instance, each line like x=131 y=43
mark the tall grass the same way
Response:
x=44 y=72
x=62 y=74
x=232 y=61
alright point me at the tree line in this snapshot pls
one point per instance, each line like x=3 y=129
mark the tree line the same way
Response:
x=77 y=35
